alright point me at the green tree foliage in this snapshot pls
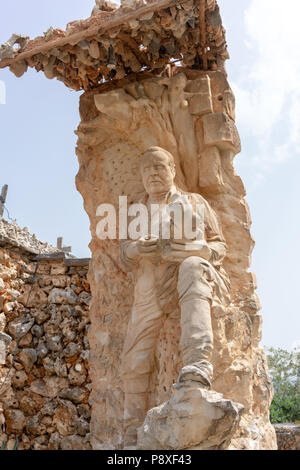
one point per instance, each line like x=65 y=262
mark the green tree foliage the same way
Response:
x=285 y=373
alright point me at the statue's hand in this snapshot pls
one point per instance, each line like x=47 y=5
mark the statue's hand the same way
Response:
x=144 y=248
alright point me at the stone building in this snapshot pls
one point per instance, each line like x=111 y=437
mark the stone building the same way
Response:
x=153 y=74
x=44 y=349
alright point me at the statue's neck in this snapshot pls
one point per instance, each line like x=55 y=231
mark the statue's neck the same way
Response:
x=160 y=198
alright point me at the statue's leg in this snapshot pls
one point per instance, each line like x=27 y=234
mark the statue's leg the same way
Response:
x=138 y=363
x=195 y=295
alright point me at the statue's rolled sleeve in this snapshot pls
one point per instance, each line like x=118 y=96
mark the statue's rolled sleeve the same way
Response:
x=128 y=263
x=214 y=237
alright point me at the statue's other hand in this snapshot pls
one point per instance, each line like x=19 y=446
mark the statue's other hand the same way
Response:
x=177 y=252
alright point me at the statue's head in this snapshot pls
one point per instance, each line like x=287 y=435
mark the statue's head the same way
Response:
x=157 y=170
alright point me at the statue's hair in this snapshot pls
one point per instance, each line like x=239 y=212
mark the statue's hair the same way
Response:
x=150 y=150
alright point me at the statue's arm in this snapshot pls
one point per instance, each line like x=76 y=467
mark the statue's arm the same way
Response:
x=214 y=237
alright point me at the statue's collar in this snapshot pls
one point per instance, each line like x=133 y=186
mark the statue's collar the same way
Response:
x=172 y=195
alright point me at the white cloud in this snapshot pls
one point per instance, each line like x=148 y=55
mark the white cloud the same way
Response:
x=268 y=91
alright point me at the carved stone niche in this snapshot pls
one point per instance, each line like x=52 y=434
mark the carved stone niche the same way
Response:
x=191 y=115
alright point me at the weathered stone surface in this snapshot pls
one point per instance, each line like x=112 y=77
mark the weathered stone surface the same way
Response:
x=48 y=387
x=54 y=343
x=193 y=418
x=20 y=326
x=220 y=131
x=31 y=403
x=28 y=357
x=34 y=427
x=64 y=418
x=75 y=394
x=59 y=296
x=20 y=378
x=74 y=443
x=2 y=352
x=5 y=341
x=288 y=436
x=40 y=372
x=15 y=421
x=156 y=112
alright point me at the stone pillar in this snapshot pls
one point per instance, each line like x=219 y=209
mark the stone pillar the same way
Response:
x=191 y=115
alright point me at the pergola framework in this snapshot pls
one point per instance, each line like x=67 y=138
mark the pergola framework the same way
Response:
x=113 y=43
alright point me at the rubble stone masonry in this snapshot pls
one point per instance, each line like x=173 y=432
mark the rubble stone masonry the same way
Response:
x=44 y=350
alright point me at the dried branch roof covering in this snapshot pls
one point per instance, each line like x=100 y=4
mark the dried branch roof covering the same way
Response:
x=116 y=41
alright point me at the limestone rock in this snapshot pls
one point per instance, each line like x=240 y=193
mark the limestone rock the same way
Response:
x=15 y=421
x=28 y=357
x=193 y=418
x=5 y=341
x=37 y=331
x=54 y=441
x=20 y=326
x=72 y=349
x=2 y=319
x=54 y=343
x=2 y=353
x=74 y=443
x=220 y=131
x=82 y=427
x=26 y=340
x=75 y=394
x=34 y=427
x=59 y=296
x=20 y=378
x=31 y=403
x=49 y=386
x=42 y=350
x=64 y=418
x=288 y=436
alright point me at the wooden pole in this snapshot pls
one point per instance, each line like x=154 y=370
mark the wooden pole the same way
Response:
x=3 y=199
x=59 y=245
x=202 y=9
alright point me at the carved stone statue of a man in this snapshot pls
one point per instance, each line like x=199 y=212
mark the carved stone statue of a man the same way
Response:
x=168 y=273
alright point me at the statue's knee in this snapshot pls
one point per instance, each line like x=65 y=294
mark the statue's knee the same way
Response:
x=192 y=280
x=191 y=266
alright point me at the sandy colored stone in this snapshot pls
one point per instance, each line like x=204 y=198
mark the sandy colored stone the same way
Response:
x=59 y=296
x=15 y=421
x=28 y=357
x=193 y=418
x=48 y=387
x=19 y=379
x=64 y=418
x=288 y=436
x=154 y=112
x=31 y=403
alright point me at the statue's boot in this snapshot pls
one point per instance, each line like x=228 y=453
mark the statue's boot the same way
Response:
x=196 y=342
x=135 y=409
x=196 y=330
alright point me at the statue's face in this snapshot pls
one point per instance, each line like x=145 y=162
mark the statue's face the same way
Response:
x=157 y=174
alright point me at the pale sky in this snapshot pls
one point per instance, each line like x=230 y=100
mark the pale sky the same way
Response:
x=39 y=164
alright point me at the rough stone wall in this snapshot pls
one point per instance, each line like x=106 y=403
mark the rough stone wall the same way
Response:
x=44 y=318
x=288 y=436
x=192 y=115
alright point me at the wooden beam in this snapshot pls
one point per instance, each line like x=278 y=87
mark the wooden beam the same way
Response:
x=202 y=9
x=98 y=26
